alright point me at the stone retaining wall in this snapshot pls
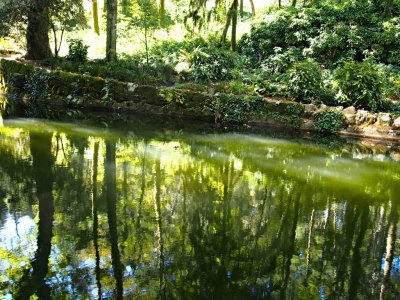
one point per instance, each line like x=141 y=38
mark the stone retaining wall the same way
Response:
x=61 y=89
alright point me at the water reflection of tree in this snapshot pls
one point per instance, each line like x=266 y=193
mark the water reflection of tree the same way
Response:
x=111 y=196
x=227 y=226
x=33 y=281
x=96 y=218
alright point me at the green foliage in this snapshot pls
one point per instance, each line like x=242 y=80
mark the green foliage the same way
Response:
x=328 y=32
x=127 y=69
x=233 y=87
x=305 y=80
x=67 y=14
x=77 y=50
x=64 y=15
x=144 y=14
x=329 y=122
x=389 y=41
x=212 y=64
x=360 y=84
x=392 y=82
x=37 y=84
x=280 y=61
x=235 y=109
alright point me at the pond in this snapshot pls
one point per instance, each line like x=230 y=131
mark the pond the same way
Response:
x=145 y=211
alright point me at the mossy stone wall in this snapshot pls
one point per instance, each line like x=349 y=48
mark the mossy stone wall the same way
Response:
x=83 y=91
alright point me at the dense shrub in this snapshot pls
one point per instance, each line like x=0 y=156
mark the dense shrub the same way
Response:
x=305 y=80
x=212 y=64
x=329 y=122
x=77 y=50
x=280 y=61
x=235 y=109
x=174 y=52
x=392 y=81
x=328 y=32
x=37 y=84
x=360 y=84
x=389 y=41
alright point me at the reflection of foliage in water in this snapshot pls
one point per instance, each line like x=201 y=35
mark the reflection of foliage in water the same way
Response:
x=204 y=216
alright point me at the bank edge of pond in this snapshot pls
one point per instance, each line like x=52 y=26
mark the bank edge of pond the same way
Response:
x=55 y=88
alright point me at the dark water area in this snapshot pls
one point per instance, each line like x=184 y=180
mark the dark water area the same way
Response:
x=142 y=210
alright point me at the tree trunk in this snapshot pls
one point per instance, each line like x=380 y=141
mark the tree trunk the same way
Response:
x=253 y=9
x=161 y=13
x=294 y=3
x=37 y=32
x=111 y=43
x=95 y=12
x=280 y=3
x=227 y=24
x=234 y=24
x=241 y=9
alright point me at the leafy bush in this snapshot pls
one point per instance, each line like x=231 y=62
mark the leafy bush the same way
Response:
x=77 y=50
x=174 y=53
x=305 y=80
x=327 y=32
x=37 y=84
x=329 y=122
x=233 y=87
x=212 y=64
x=392 y=82
x=360 y=84
x=235 y=109
x=279 y=62
x=389 y=41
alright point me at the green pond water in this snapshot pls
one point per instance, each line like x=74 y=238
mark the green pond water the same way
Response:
x=142 y=210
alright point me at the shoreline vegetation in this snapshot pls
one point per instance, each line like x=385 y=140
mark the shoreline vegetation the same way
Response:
x=31 y=89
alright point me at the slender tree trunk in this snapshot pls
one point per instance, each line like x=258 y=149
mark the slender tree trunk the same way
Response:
x=146 y=42
x=111 y=43
x=294 y=3
x=95 y=12
x=227 y=24
x=241 y=9
x=253 y=9
x=61 y=40
x=234 y=24
x=161 y=13
x=53 y=28
x=37 y=32
x=280 y=3
x=57 y=44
